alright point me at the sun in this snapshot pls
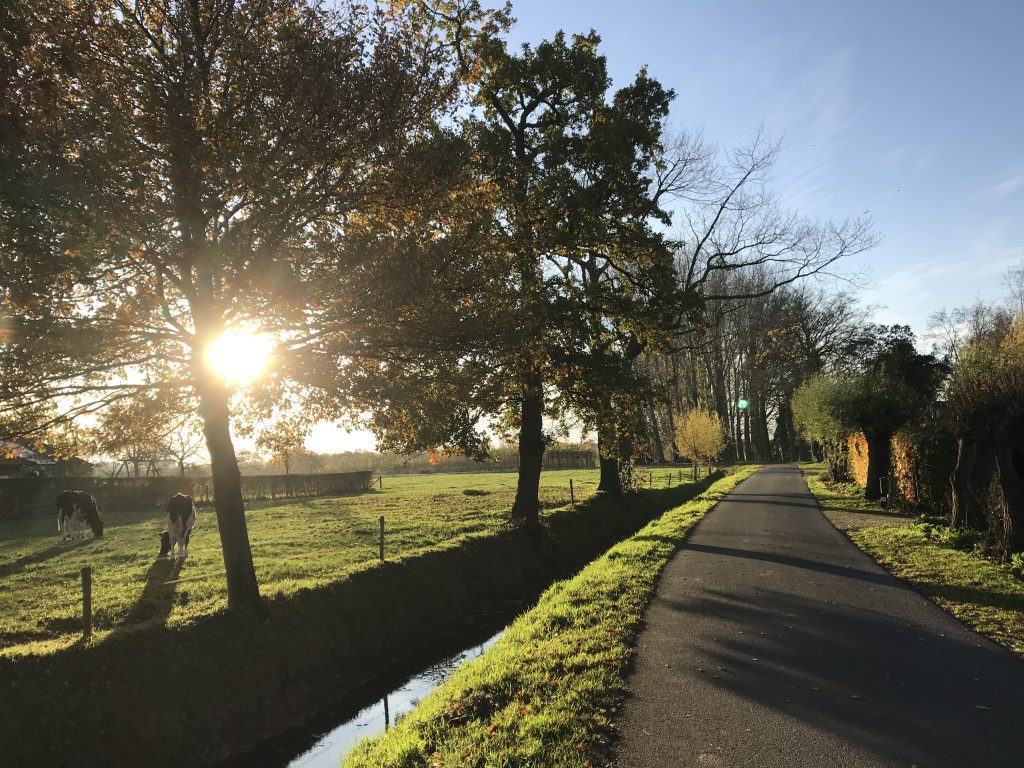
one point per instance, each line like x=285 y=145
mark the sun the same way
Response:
x=239 y=355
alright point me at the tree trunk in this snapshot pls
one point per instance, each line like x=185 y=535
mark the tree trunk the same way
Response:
x=607 y=451
x=526 y=509
x=674 y=453
x=611 y=482
x=741 y=455
x=785 y=432
x=970 y=482
x=879 y=451
x=748 y=449
x=761 y=439
x=655 y=430
x=625 y=461
x=1010 y=458
x=243 y=591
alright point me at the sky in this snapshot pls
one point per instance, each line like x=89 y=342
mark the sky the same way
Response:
x=908 y=111
x=911 y=110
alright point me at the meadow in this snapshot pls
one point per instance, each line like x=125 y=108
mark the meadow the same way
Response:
x=296 y=546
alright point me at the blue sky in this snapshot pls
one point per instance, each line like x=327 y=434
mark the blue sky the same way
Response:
x=910 y=109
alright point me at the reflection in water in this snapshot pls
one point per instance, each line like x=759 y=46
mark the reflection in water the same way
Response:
x=377 y=718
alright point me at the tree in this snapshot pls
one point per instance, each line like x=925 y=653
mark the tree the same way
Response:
x=176 y=169
x=133 y=432
x=815 y=416
x=184 y=442
x=284 y=440
x=565 y=224
x=986 y=399
x=700 y=437
x=895 y=384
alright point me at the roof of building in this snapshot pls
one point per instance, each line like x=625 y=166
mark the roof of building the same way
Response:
x=12 y=452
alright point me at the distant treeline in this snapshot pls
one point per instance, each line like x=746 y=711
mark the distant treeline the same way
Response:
x=503 y=459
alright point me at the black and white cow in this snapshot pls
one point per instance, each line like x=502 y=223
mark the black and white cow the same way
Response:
x=74 y=510
x=181 y=517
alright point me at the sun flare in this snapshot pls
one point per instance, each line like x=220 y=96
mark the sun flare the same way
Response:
x=239 y=356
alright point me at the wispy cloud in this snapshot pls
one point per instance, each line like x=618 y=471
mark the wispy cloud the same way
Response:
x=817 y=110
x=1009 y=186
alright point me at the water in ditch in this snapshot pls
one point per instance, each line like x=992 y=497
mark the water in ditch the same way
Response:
x=379 y=716
x=323 y=742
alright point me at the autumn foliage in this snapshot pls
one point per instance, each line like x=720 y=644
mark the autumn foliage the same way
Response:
x=700 y=436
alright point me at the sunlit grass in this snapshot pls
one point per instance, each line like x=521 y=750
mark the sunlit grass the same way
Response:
x=546 y=693
x=295 y=546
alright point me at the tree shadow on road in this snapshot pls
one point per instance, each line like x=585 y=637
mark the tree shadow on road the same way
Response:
x=793 y=560
x=905 y=692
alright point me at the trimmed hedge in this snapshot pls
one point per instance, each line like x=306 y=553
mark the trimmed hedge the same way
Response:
x=158 y=697
x=546 y=693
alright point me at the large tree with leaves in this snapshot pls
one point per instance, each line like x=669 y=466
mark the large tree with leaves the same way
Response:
x=176 y=168
x=569 y=164
x=893 y=385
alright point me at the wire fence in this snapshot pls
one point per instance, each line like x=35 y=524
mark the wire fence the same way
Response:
x=374 y=539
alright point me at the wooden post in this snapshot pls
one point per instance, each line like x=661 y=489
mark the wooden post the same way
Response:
x=382 y=538
x=572 y=493
x=380 y=480
x=87 y=602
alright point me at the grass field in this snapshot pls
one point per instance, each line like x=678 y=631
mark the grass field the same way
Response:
x=983 y=594
x=295 y=546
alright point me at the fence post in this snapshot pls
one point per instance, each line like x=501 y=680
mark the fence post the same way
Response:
x=572 y=493
x=382 y=538
x=87 y=602
x=380 y=481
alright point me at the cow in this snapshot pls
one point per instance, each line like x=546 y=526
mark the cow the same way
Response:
x=74 y=510
x=181 y=517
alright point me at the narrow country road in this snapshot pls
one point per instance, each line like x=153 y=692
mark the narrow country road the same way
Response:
x=773 y=641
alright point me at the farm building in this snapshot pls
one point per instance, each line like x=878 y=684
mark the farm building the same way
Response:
x=19 y=461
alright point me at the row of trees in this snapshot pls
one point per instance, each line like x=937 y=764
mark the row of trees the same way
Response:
x=986 y=416
x=453 y=236
x=758 y=345
x=956 y=414
x=886 y=386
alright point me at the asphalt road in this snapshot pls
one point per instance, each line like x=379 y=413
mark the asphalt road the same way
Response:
x=773 y=641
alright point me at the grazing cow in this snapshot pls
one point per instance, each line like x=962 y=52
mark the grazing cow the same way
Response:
x=181 y=517
x=74 y=510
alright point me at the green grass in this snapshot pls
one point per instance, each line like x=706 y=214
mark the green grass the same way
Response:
x=296 y=546
x=983 y=594
x=249 y=676
x=546 y=693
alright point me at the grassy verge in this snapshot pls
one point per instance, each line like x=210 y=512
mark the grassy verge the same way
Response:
x=223 y=682
x=545 y=694
x=296 y=546
x=983 y=594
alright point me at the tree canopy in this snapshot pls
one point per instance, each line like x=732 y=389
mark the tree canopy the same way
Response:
x=178 y=169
